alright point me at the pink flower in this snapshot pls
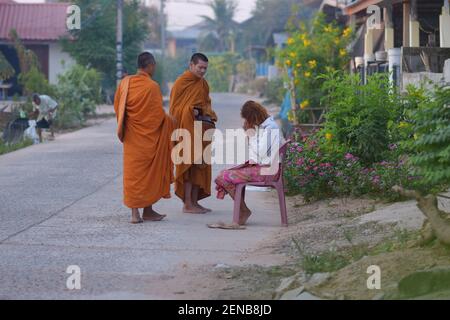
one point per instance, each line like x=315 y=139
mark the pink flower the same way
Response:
x=393 y=147
x=349 y=156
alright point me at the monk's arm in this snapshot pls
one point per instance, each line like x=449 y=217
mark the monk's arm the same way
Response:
x=159 y=114
x=209 y=111
x=117 y=101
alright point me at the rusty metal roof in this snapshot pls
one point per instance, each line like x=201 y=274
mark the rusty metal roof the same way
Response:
x=33 y=21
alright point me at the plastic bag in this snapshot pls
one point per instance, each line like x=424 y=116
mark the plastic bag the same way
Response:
x=31 y=132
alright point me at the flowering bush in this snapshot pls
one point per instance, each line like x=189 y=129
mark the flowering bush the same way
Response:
x=316 y=172
x=311 y=53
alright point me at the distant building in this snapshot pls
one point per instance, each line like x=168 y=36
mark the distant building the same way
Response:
x=409 y=37
x=39 y=26
x=186 y=40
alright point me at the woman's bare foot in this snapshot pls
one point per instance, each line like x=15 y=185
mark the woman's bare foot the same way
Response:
x=243 y=217
x=136 y=217
x=193 y=210
x=151 y=215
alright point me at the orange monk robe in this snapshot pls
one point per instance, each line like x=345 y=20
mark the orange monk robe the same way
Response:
x=147 y=167
x=188 y=92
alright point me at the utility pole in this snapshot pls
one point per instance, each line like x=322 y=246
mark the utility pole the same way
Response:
x=163 y=40
x=119 y=41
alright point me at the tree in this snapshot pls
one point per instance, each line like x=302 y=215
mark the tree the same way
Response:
x=27 y=58
x=222 y=27
x=6 y=70
x=30 y=78
x=431 y=162
x=154 y=24
x=95 y=44
x=271 y=16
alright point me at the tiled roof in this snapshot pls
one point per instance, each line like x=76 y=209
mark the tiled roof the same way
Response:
x=34 y=21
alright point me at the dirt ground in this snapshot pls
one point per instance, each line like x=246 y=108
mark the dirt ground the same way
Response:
x=333 y=225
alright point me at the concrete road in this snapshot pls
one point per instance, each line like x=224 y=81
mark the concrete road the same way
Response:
x=61 y=205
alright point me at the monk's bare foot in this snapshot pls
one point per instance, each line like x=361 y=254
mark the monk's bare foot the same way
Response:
x=151 y=215
x=193 y=210
x=243 y=217
x=136 y=217
x=202 y=207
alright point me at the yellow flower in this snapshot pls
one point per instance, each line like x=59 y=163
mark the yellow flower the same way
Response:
x=297 y=82
x=288 y=63
x=298 y=65
x=328 y=136
x=347 y=32
x=290 y=116
x=307 y=74
x=290 y=41
x=337 y=41
x=304 y=104
x=292 y=54
x=303 y=37
x=403 y=124
x=327 y=29
x=342 y=52
x=312 y=64
x=306 y=43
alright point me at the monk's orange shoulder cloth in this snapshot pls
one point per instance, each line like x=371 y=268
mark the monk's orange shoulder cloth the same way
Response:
x=188 y=92
x=147 y=167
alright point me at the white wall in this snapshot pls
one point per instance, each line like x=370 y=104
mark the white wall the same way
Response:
x=55 y=66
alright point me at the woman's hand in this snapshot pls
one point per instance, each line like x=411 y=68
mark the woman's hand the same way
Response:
x=249 y=131
x=247 y=126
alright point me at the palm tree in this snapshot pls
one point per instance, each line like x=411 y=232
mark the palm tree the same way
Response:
x=222 y=25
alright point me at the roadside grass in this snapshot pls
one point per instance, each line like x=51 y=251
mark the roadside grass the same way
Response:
x=7 y=148
x=335 y=259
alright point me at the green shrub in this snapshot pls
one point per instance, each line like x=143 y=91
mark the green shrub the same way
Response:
x=78 y=93
x=34 y=81
x=359 y=115
x=275 y=91
x=170 y=68
x=220 y=70
x=246 y=70
x=431 y=143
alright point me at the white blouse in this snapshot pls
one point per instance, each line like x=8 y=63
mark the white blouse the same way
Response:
x=264 y=145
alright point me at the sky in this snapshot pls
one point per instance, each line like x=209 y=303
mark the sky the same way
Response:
x=182 y=14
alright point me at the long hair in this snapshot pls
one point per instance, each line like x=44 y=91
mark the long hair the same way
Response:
x=254 y=113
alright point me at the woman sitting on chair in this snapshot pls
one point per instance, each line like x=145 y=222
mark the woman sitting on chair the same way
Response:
x=265 y=134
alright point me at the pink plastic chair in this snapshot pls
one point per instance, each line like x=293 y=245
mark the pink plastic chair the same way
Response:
x=275 y=181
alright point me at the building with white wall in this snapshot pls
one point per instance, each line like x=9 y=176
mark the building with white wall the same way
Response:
x=39 y=26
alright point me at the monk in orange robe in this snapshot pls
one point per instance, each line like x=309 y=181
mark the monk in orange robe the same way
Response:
x=145 y=130
x=190 y=99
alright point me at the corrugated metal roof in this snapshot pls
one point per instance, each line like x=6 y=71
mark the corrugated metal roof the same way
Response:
x=36 y=21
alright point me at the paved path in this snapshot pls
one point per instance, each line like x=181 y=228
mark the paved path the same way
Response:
x=61 y=205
